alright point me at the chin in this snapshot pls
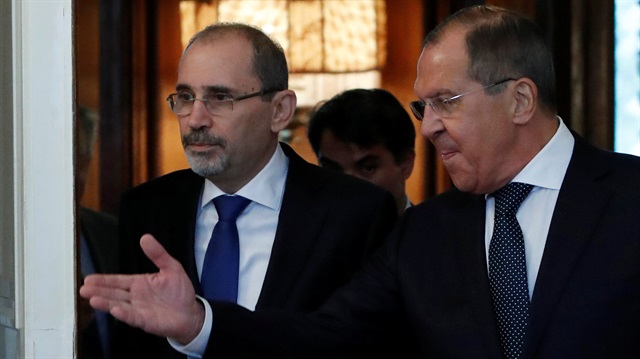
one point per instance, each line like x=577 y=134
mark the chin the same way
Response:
x=207 y=167
x=464 y=184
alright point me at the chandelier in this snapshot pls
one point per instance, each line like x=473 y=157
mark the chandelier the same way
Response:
x=318 y=36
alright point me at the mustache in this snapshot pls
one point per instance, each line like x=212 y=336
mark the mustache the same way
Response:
x=201 y=137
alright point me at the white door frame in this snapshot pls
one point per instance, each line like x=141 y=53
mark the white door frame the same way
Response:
x=43 y=98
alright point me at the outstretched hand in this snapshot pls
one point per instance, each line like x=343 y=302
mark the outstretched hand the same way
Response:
x=161 y=303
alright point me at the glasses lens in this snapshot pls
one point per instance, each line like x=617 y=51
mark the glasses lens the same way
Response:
x=218 y=106
x=171 y=101
x=441 y=106
x=417 y=107
x=181 y=104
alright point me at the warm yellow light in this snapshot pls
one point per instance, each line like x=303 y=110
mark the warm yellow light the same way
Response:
x=318 y=36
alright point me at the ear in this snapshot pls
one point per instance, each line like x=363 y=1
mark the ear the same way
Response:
x=526 y=100
x=284 y=107
x=406 y=166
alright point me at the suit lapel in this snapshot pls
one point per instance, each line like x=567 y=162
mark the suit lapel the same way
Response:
x=301 y=217
x=473 y=266
x=580 y=203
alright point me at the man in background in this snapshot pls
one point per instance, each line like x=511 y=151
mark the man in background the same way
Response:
x=98 y=234
x=367 y=134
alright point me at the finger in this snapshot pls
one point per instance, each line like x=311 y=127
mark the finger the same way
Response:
x=121 y=310
x=105 y=304
x=109 y=280
x=115 y=294
x=157 y=254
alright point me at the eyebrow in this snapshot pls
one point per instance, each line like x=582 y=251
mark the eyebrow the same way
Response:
x=208 y=89
x=182 y=87
x=368 y=158
x=441 y=93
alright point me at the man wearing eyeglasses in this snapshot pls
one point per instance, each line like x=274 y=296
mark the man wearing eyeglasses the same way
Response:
x=534 y=254
x=299 y=231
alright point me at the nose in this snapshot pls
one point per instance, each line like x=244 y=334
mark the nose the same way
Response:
x=199 y=116
x=431 y=124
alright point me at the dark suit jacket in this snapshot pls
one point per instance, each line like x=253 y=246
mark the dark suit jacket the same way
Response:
x=328 y=225
x=433 y=271
x=100 y=231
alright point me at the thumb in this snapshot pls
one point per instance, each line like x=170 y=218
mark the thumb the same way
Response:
x=157 y=254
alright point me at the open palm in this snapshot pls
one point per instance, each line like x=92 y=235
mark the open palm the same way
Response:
x=161 y=303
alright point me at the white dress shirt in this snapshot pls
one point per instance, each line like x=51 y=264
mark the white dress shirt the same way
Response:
x=257 y=226
x=545 y=172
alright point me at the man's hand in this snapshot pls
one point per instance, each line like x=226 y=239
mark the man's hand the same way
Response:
x=161 y=303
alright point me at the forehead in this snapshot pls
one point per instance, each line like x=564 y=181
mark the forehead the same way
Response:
x=224 y=61
x=442 y=65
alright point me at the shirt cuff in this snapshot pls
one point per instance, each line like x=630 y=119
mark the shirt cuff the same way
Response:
x=196 y=348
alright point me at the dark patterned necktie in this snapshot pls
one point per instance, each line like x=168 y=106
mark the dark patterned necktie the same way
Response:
x=507 y=269
x=219 y=279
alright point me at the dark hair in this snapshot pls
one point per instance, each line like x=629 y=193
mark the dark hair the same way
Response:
x=269 y=62
x=503 y=44
x=366 y=118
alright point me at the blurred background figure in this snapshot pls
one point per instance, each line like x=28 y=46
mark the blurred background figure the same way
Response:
x=98 y=243
x=366 y=133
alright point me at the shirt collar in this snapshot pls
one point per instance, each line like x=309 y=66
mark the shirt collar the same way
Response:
x=548 y=167
x=407 y=202
x=266 y=188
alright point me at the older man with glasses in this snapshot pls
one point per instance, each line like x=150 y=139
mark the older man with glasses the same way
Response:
x=251 y=223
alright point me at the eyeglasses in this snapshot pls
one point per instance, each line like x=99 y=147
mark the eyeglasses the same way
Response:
x=444 y=106
x=181 y=103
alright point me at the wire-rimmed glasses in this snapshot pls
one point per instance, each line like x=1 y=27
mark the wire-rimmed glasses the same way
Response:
x=445 y=106
x=181 y=103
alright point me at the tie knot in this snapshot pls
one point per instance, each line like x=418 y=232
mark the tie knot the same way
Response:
x=230 y=207
x=509 y=197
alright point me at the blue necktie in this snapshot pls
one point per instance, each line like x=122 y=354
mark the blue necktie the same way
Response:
x=219 y=279
x=507 y=269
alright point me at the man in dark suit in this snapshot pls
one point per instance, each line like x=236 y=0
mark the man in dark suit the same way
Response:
x=305 y=230
x=567 y=288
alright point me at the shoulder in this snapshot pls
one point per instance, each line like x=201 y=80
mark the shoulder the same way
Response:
x=447 y=203
x=442 y=216
x=90 y=214
x=618 y=171
x=177 y=182
x=90 y=217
